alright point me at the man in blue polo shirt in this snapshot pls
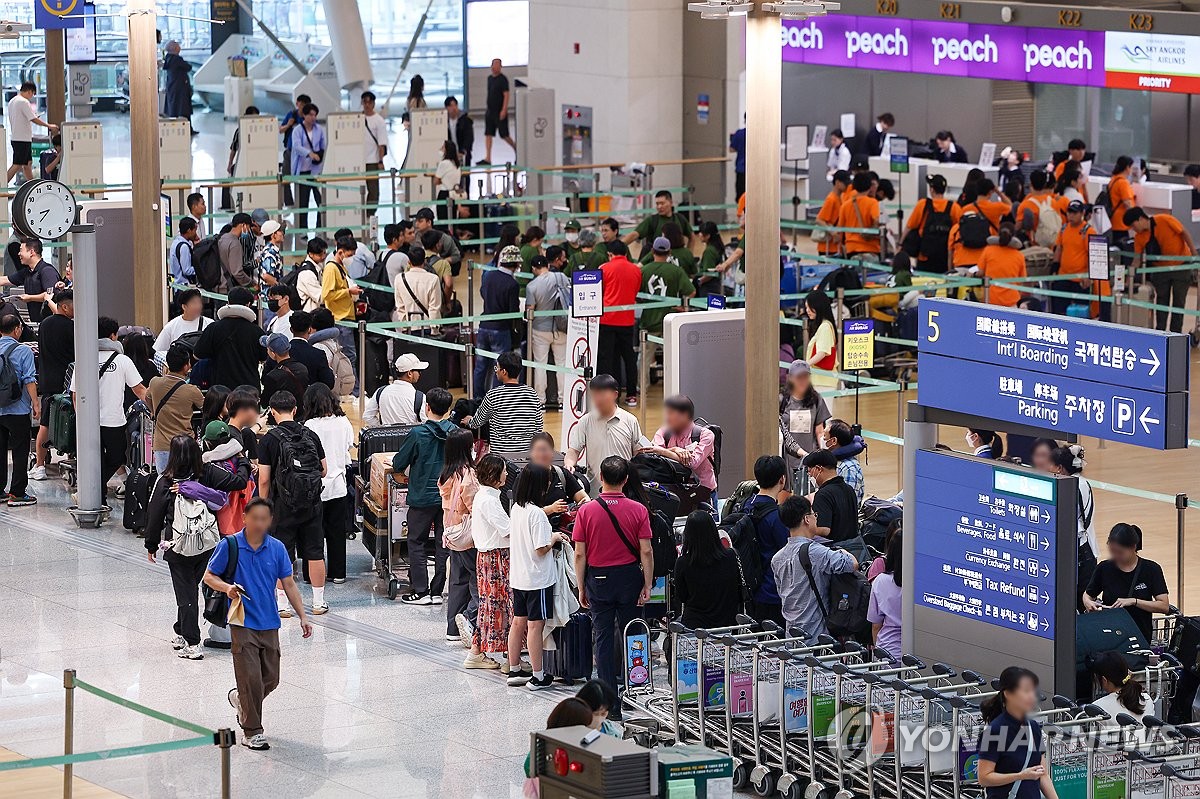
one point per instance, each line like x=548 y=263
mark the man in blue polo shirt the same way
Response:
x=254 y=616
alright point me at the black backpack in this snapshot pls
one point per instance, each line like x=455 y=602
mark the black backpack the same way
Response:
x=206 y=260
x=742 y=527
x=292 y=278
x=849 y=596
x=935 y=236
x=654 y=468
x=973 y=230
x=844 y=277
x=10 y=383
x=297 y=478
x=378 y=299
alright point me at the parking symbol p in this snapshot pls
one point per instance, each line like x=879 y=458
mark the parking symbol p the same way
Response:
x=1124 y=416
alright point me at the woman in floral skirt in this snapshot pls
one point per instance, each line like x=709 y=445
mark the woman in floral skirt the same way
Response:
x=489 y=526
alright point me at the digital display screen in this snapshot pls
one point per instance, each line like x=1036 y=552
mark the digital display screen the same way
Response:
x=986 y=543
x=498 y=29
x=81 y=42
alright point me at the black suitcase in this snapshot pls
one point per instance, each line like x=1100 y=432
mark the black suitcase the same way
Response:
x=572 y=660
x=692 y=496
x=137 y=498
x=379 y=439
x=662 y=501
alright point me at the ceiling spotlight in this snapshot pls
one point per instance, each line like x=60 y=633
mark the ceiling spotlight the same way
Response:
x=801 y=9
x=721 y=9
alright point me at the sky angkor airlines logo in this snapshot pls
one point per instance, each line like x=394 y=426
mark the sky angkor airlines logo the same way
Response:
x=1136 y=54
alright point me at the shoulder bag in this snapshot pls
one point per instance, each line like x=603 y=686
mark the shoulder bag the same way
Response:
x=411 y=293
x=216 y=604
x=458 y=537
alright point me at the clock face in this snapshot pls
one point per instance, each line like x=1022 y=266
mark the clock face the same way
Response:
x=45 y=208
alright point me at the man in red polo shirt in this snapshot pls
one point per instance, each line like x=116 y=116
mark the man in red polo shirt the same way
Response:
x=618 y=329
x=614 y=564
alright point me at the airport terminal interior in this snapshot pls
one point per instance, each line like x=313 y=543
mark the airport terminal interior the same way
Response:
x=632 y=399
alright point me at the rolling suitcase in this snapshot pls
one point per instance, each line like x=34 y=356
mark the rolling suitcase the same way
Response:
x=379 y=439
x=572 y=660
x=662 y=501
x=62 y=424
x=137 y=498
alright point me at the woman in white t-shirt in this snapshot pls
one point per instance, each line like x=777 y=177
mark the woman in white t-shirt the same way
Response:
x=1123 y=693
x=489 y=528
x=448 y=175
x=531 y=575
x=324 y=416
x=189 y=321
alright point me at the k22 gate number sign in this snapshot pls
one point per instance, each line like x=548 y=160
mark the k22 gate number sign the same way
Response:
x=987 y=548
x=1110 y=381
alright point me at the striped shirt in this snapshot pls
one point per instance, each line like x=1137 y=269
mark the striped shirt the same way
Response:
x=513 y=415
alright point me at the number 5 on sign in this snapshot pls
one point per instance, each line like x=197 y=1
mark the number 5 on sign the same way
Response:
x=935 y=332
x=858 y=344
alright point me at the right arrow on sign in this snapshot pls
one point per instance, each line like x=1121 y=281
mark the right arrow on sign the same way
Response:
x=1153 y=363
x=1146 y=419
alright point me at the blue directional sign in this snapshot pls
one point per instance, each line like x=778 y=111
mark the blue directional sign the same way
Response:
x=1115 y=413
x=1061 y=345
x=986 y=543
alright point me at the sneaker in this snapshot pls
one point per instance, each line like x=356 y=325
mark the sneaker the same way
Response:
x=525 y=666
x=286 y=613
x=178 y=643
x=438 y=599
x=321 y=609
x=258 y=743
x=479 y=661
x=190 y=653
x=337 y=580
x=232 y=696
x=211 y=644
x=417 y=599
x=535 y=684
x=37 y=473
x=483 y=162
x=452 y=638
x=465 y=630
x=15 y=501
x=631 y=402
x=519 y=677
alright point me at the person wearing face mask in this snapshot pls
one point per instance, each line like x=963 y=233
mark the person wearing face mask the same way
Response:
x=571 y=238
x=1127 y=580
x=235 y=249
x=1069 y=460
x=985 y=444
x=279 y=304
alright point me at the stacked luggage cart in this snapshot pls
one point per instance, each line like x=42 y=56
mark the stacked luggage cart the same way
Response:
x=835 y=720
x=381 y=500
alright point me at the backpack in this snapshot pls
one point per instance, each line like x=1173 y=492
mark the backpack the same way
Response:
x=1104 y=200
x=297 y=479
x=974 y=230
x=844 y=277
x=935 y=236
x=229 y=518
x=1049 y=224
x=849 y=597
x=662 y=544
x=343 y=373
x=732 y=505
x=10 y=382
x=194 y=528
x=378 y=299
x=718 y=434
x=216 y=604
x=292 y=278
x=742 y=528
x=206 y=260
x=654 y=468
x=562 y=302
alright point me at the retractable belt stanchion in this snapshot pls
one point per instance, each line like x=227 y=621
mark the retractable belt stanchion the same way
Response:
x=1181 y=505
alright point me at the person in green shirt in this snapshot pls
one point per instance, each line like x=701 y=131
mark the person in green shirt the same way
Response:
x=590 y=255
x=651 y=227
x=707 y=279
x=571 y=232
x=664 y=278
x=531 y=245
x=610 y=231
x=680 y=252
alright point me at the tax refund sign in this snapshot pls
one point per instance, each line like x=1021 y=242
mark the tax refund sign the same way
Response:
x=1109 y=381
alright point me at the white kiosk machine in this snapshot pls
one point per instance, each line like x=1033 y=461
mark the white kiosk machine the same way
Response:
x=257 y=160
x=428 y=129
x=175 y=158
x=82 y=155
x=345 y=132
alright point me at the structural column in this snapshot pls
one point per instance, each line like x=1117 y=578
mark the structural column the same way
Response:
x=149 y=279
x=764 y=79
x=56 y=76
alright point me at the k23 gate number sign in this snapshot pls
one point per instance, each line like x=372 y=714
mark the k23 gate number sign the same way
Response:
x=1113 y=382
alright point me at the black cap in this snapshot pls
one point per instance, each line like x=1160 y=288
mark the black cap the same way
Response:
x=821 y=457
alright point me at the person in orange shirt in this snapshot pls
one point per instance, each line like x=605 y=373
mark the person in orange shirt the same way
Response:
x=1000 y=261
x=1162 y=234
x=1076 y=152
x=1029 y=212
x=933 y=252
x=831 y=210
x=860 y=210
x=991 y=203
x=1071 y=255
x=1120 y=197
x=1072 y=184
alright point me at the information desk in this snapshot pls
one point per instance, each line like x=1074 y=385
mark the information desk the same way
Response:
x=994 y=561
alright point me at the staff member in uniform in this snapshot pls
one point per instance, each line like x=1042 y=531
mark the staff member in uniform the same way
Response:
x=1162 y=234
x=1127 y=580
x=1012 y=761
x=1071 y=255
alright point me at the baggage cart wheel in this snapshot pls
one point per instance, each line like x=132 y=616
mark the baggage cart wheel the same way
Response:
x=766 y=785
x=741 y=776
x=393 y=590
x=351 y=536
x=794 y=791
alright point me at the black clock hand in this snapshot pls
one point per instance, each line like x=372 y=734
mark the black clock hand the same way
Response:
x=43 y=216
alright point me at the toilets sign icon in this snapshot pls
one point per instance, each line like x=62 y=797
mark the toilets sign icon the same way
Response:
x=57 y=14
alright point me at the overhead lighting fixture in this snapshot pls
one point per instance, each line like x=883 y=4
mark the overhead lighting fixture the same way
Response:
x=721 y=9
x=801 y=9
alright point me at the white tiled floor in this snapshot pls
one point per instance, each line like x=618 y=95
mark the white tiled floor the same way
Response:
x=374 y=704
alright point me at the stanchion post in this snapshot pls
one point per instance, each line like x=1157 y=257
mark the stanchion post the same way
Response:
x=471 y=298
x=225 y=740
x=279 y=184
x=362 y=367
x=407 y=196
x=529 y=339
x=470 y=345
x=643 y=377
x=240 y=199
x=211 y=208
x=68 y=731
x=538 y=180
x=900 y=432
x=1181 y=504
x=366 y=215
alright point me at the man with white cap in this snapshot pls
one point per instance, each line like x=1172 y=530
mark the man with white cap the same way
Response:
x=270 y=259
x=400 y=402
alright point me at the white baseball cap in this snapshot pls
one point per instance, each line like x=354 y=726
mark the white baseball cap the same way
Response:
x=409 y=362
x=269 y=227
